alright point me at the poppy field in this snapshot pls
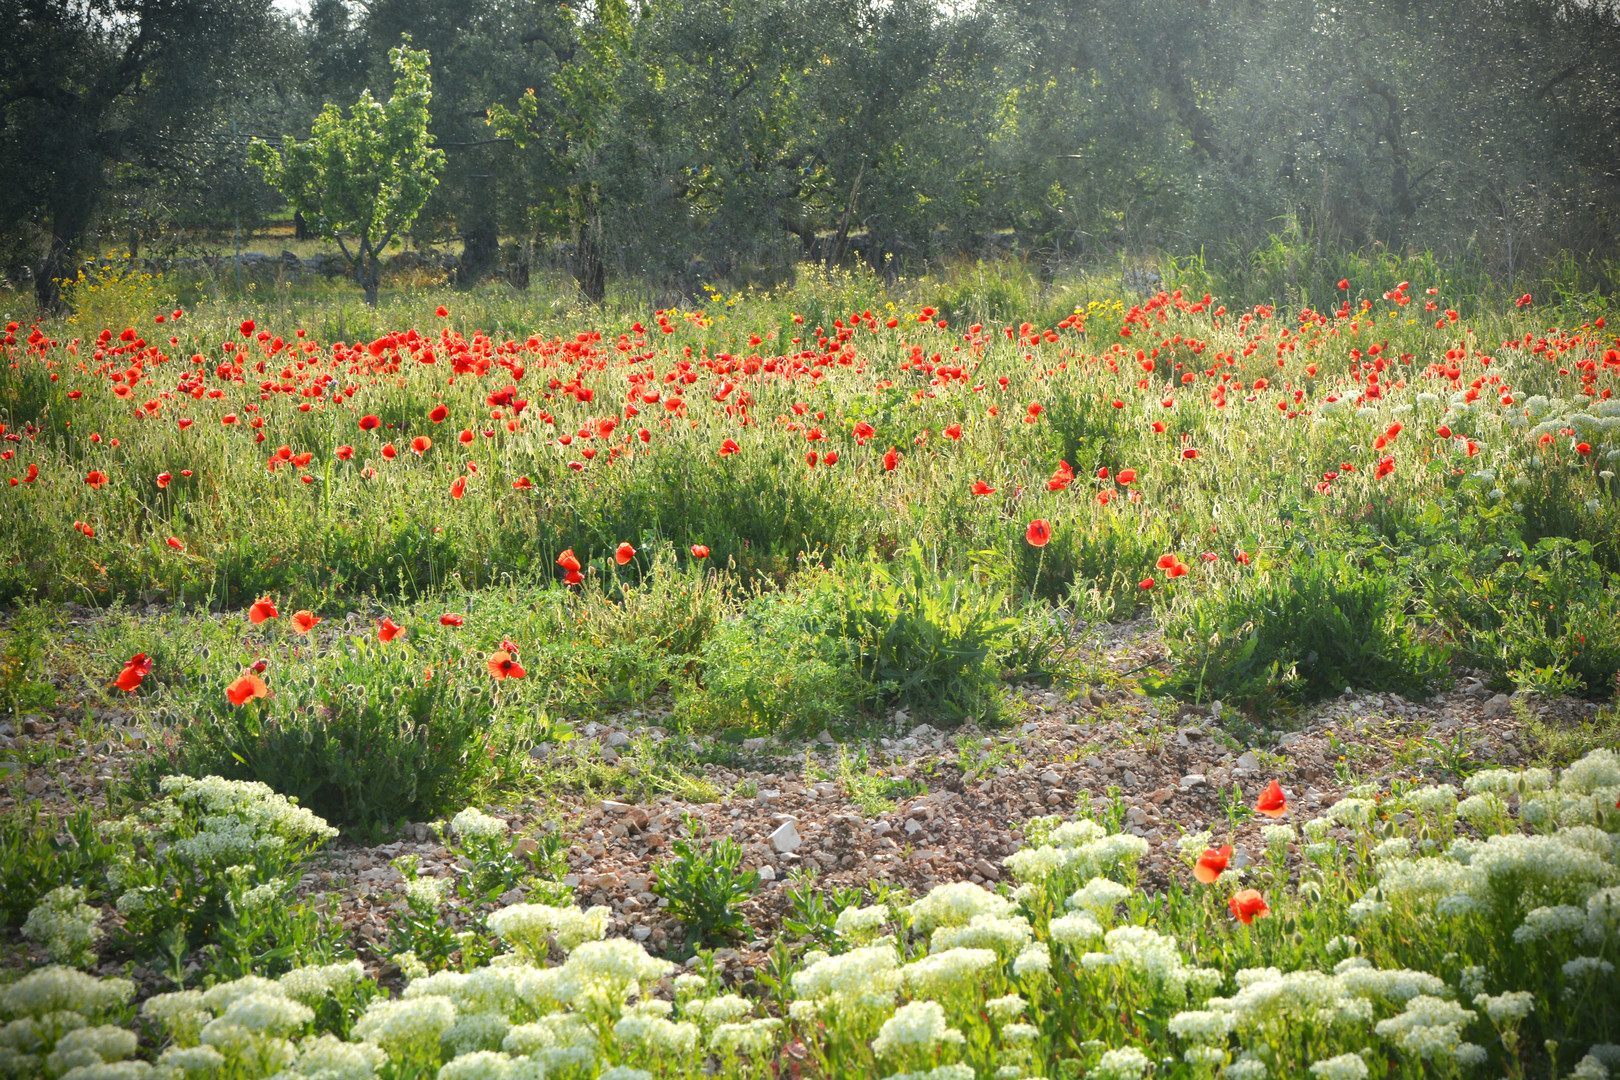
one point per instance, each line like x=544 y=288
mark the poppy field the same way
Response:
x=350 y=571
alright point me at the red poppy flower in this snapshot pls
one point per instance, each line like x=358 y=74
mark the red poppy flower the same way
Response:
x=573 y=577
x=1212 y=863
x=1444 y=431
x=1166 y=562
x=1061 y=478
x=458 y=487
x=163 y=479
x=246 y=687
x=522 y=483
x=1189 y=454
x=864 y=431
x=389 y=452
x=507 y=645
x=441 y=311
x=1525 y=301
x=262 y=609
x=569 y=561
x=700 y=551
x=438 y=413
x=304 y=621
x=623 y=553
x=982 y=488
x=1179 y=569
x=421 y=445
x=174 y=542
x=728 y=448
x=466 y=437
x=1038 y=532
x=1272 y=803
x=1248 y=905
x=502 y=665
x=891 y=460
x=246 y=328
x=388 y=629
x=1344 y=283
x=953 y=431
x=136 y=668
x=1583 y=448
x=1126 y=476
x=1146 y=583
x=95 y=478
x=344 y=453
x=448 y=619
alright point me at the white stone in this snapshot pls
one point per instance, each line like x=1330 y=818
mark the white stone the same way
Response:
x=786 y=838
x=1192 y=780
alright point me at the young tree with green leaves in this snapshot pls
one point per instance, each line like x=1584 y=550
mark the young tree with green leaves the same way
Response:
x=364 y=176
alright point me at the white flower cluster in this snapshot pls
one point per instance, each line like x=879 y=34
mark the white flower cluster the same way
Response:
x=427 y=892
x=1127 y=1063
x=859 y=978
x=1343 y=1067
x=65 y=926
x=1429 y=1027
x=407 y=1029
x=311 y=984
x=955 y=904
x=952 y=972
x=1144 y=952
x=1004 y=936
x=241 y=812
x=57 y=989
x=859 y=925
x=1080 y=848
x=918 y=1026
x=1100 y=896
x=473 y=824
x=530 y=927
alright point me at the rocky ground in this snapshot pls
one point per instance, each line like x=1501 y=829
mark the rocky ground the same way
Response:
x=924 y=806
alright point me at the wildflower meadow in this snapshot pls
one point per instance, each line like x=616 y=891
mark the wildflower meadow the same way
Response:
x=467 y=689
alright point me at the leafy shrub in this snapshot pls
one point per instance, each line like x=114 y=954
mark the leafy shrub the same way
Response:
x=38 y=854
x=771 y=668
x=23 y=648
x=367 y=736
x=921 y=637
x=703 y=889
x=1297 y=634
x=1544 y=618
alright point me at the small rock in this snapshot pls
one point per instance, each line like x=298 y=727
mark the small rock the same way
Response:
x=1136 y=816
x=1292 y=738
x=767 y=872
x=824 y=737
x=1499 y=707
x=1050 y=778
x=1192 y=780
x=641 y=933
x=611 y=807
x=767 y=796
x=786 y=838
x=1030 y=728
x=753 y=746
x=987 y=869
x=540 y=751
x=1247 y=760
x=913 y=826
x=618 y=738
x=609 y=754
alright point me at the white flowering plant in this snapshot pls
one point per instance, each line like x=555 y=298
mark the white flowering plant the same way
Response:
x=212 y=862
x=1468 y=953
